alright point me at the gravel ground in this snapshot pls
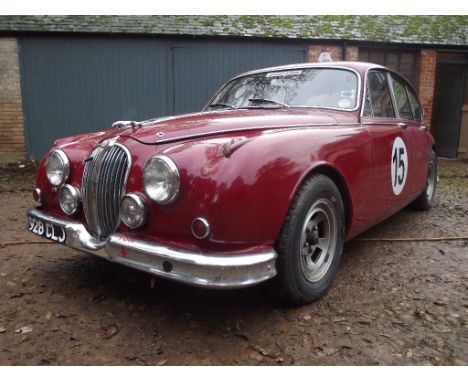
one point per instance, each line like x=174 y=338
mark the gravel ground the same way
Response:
x=392 y=303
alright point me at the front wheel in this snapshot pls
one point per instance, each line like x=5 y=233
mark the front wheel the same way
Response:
x=310 y=244
x=425 y=201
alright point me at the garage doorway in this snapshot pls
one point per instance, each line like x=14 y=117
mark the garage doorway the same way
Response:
x=78 y=84
x=449 y=90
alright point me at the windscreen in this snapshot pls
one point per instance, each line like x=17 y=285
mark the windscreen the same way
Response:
x=314 y=87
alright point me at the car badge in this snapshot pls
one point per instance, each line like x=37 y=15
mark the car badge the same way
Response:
x=104 y=143
x=109 y=142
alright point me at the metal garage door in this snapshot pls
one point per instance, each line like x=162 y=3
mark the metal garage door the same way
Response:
x=73 y=85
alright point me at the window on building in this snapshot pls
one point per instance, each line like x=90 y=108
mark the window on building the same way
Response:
x=403 y=62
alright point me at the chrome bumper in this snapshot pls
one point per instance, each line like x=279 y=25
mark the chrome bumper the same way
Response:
x=219 y=271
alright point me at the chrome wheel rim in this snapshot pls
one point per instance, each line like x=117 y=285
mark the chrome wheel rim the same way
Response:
x=430 y=183
x=318 y=240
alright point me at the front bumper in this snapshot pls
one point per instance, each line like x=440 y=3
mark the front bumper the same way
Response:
x=213 y=270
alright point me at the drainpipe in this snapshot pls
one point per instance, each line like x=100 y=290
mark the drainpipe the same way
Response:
x=343 y=51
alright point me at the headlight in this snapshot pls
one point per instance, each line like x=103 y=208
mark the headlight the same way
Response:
x=133 y=210
x=69 y=199
x=57 y=168
x=161 y=179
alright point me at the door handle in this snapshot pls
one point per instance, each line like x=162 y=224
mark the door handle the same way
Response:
x=402 y=125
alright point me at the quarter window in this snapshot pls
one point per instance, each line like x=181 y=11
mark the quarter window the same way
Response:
x=415 y=105
x=378 y=101
x=401 y=98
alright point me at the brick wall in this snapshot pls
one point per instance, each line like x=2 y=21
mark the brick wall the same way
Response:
x=427 y=76
x=336 y=52
x=12 y=143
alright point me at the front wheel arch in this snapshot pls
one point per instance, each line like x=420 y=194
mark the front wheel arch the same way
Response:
x=339 y=180
x=292 y=284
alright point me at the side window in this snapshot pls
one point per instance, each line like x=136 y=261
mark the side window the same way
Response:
x=380 y=99
x=367 y=105
x=401 y=98
x=415 y=105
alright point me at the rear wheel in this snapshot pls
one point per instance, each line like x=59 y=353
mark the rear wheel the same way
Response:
x=425 y=201
x=311 y=241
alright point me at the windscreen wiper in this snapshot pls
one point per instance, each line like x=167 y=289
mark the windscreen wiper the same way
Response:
x=223 y=105
x=269 y=101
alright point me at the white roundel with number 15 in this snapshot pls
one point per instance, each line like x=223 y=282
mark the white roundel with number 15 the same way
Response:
x=399 y=165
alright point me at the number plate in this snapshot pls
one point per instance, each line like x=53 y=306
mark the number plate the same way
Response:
x=47 y=230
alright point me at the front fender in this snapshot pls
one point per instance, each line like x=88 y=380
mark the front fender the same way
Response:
x=244 y=194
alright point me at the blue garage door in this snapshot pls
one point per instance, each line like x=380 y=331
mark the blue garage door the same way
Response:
x=73 y=85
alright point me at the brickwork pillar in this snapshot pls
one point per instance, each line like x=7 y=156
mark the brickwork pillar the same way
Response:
x=427 y=76
x=12 y=142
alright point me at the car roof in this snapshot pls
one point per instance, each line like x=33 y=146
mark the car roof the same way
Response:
x=358 y=66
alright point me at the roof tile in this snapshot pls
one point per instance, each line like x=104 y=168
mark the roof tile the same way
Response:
x=440 y=30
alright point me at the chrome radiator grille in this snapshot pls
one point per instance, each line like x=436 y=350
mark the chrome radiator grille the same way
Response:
x=103 y=185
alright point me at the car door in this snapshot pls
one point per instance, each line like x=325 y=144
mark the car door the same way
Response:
x=412 y=133
x=391 y=142
x=421 y=149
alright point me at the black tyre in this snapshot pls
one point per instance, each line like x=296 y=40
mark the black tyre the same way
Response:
x=425 y=201
x=310 y=244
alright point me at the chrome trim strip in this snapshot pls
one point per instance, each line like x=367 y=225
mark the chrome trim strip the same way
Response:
x=127 y=172
x=209 y=270
x=305 y=65
x=364 y=93
x=171 y=117
x=378 y=123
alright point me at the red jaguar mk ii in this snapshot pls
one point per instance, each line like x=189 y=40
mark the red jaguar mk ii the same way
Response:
x=267 y=182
